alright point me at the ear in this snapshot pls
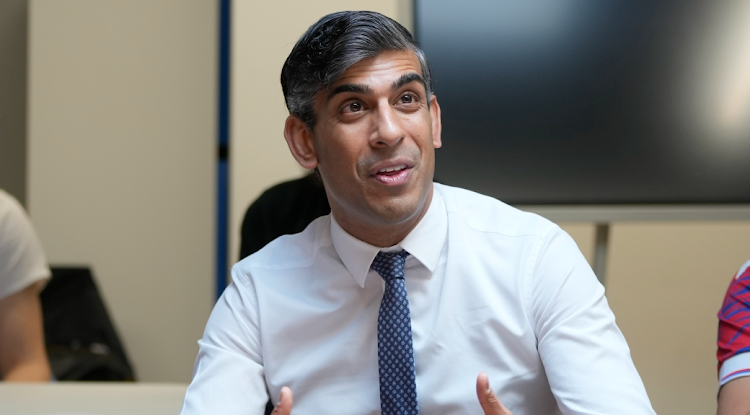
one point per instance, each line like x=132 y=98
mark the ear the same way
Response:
x=299 y=139
x=437 y=125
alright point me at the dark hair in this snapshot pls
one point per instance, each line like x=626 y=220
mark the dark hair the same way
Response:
x=332 y=45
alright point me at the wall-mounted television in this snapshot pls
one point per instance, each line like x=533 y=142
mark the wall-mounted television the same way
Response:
x=592 y=102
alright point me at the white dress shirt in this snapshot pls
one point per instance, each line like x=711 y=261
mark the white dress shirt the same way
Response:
x=490 y=289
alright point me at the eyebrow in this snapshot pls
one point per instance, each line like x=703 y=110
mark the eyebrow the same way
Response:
x=356 y=88
x=405 y=79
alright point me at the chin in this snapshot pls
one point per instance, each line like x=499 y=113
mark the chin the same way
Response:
x=399 y=210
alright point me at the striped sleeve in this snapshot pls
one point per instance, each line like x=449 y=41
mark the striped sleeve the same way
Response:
x=734 y=328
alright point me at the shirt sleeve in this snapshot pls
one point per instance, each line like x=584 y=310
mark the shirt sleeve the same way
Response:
x=585 y=356
x=733 y=342
x=228 y=376
x=22 y=260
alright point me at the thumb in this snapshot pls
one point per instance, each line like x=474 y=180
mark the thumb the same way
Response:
x=490 y=404
x=284 y=406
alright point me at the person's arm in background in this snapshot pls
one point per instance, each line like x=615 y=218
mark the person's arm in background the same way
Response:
x=734 y=397
x=733 y=344
x=23 y=273
x=22 y=353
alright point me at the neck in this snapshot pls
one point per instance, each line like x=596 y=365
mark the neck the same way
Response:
x=381 y=235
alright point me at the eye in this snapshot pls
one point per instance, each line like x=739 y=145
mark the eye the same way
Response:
x=408 y=100
x=354 y=106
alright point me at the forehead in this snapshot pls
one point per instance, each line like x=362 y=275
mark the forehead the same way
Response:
x=385 y=67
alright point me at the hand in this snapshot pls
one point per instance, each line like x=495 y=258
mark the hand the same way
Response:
x=284 y=407
x=490 y=404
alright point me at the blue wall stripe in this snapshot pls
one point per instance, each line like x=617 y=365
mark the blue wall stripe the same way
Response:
x=222 y=176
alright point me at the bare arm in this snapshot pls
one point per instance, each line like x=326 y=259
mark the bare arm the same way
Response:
x=22 y=353
x=734 y=397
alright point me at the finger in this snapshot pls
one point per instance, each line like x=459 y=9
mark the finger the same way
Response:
x=284 y=406
x=490 y=404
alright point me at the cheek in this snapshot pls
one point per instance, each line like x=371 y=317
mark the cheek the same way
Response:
x=338 y=157
x=349 y=143
x=420 y=127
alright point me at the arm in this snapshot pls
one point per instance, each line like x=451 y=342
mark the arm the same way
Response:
x=734 y=397
x=733 y=341
x=585 y=356
x=22 y=353
x=228 y=377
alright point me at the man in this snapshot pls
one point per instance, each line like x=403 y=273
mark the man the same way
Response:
x=23 y=272
x=410 y=295
x=734 y=346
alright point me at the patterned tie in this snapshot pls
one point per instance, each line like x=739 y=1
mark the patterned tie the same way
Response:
x=398 y=387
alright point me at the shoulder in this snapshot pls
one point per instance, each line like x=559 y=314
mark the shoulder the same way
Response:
x=290 y=251
x=737 y=294
x=740 y=283
x=10 y=209
x=22 y=260
x=488 y=215
x=15 y=226
x=744 y=272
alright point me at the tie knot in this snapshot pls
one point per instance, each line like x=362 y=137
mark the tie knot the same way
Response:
x=390 y=265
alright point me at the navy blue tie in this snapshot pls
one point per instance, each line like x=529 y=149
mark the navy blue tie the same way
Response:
x=398 y=387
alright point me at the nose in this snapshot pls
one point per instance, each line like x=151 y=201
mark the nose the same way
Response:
x=388 y=130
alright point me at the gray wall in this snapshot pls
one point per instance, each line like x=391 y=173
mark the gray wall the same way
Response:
x=13 y=41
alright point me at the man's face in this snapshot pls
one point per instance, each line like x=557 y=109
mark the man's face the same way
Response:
x=375 y=141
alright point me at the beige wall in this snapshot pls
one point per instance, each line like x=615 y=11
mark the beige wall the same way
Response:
x=584 y=233
x=665 y=283
x=263 y=34
x=121 y=136
x=13 y=18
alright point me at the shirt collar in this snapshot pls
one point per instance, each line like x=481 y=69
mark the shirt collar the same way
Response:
x=424 y=242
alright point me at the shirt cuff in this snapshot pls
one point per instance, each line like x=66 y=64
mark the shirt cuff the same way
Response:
x=735 y=367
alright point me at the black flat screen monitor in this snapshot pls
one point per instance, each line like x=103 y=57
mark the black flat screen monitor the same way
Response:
x=590 y=101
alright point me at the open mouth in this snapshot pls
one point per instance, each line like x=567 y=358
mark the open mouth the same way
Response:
x=392 y=171
x=393 y=175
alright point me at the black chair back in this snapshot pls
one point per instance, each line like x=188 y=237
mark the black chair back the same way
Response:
x=82 y=343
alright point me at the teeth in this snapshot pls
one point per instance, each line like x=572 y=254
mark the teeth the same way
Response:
x=390 y=169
